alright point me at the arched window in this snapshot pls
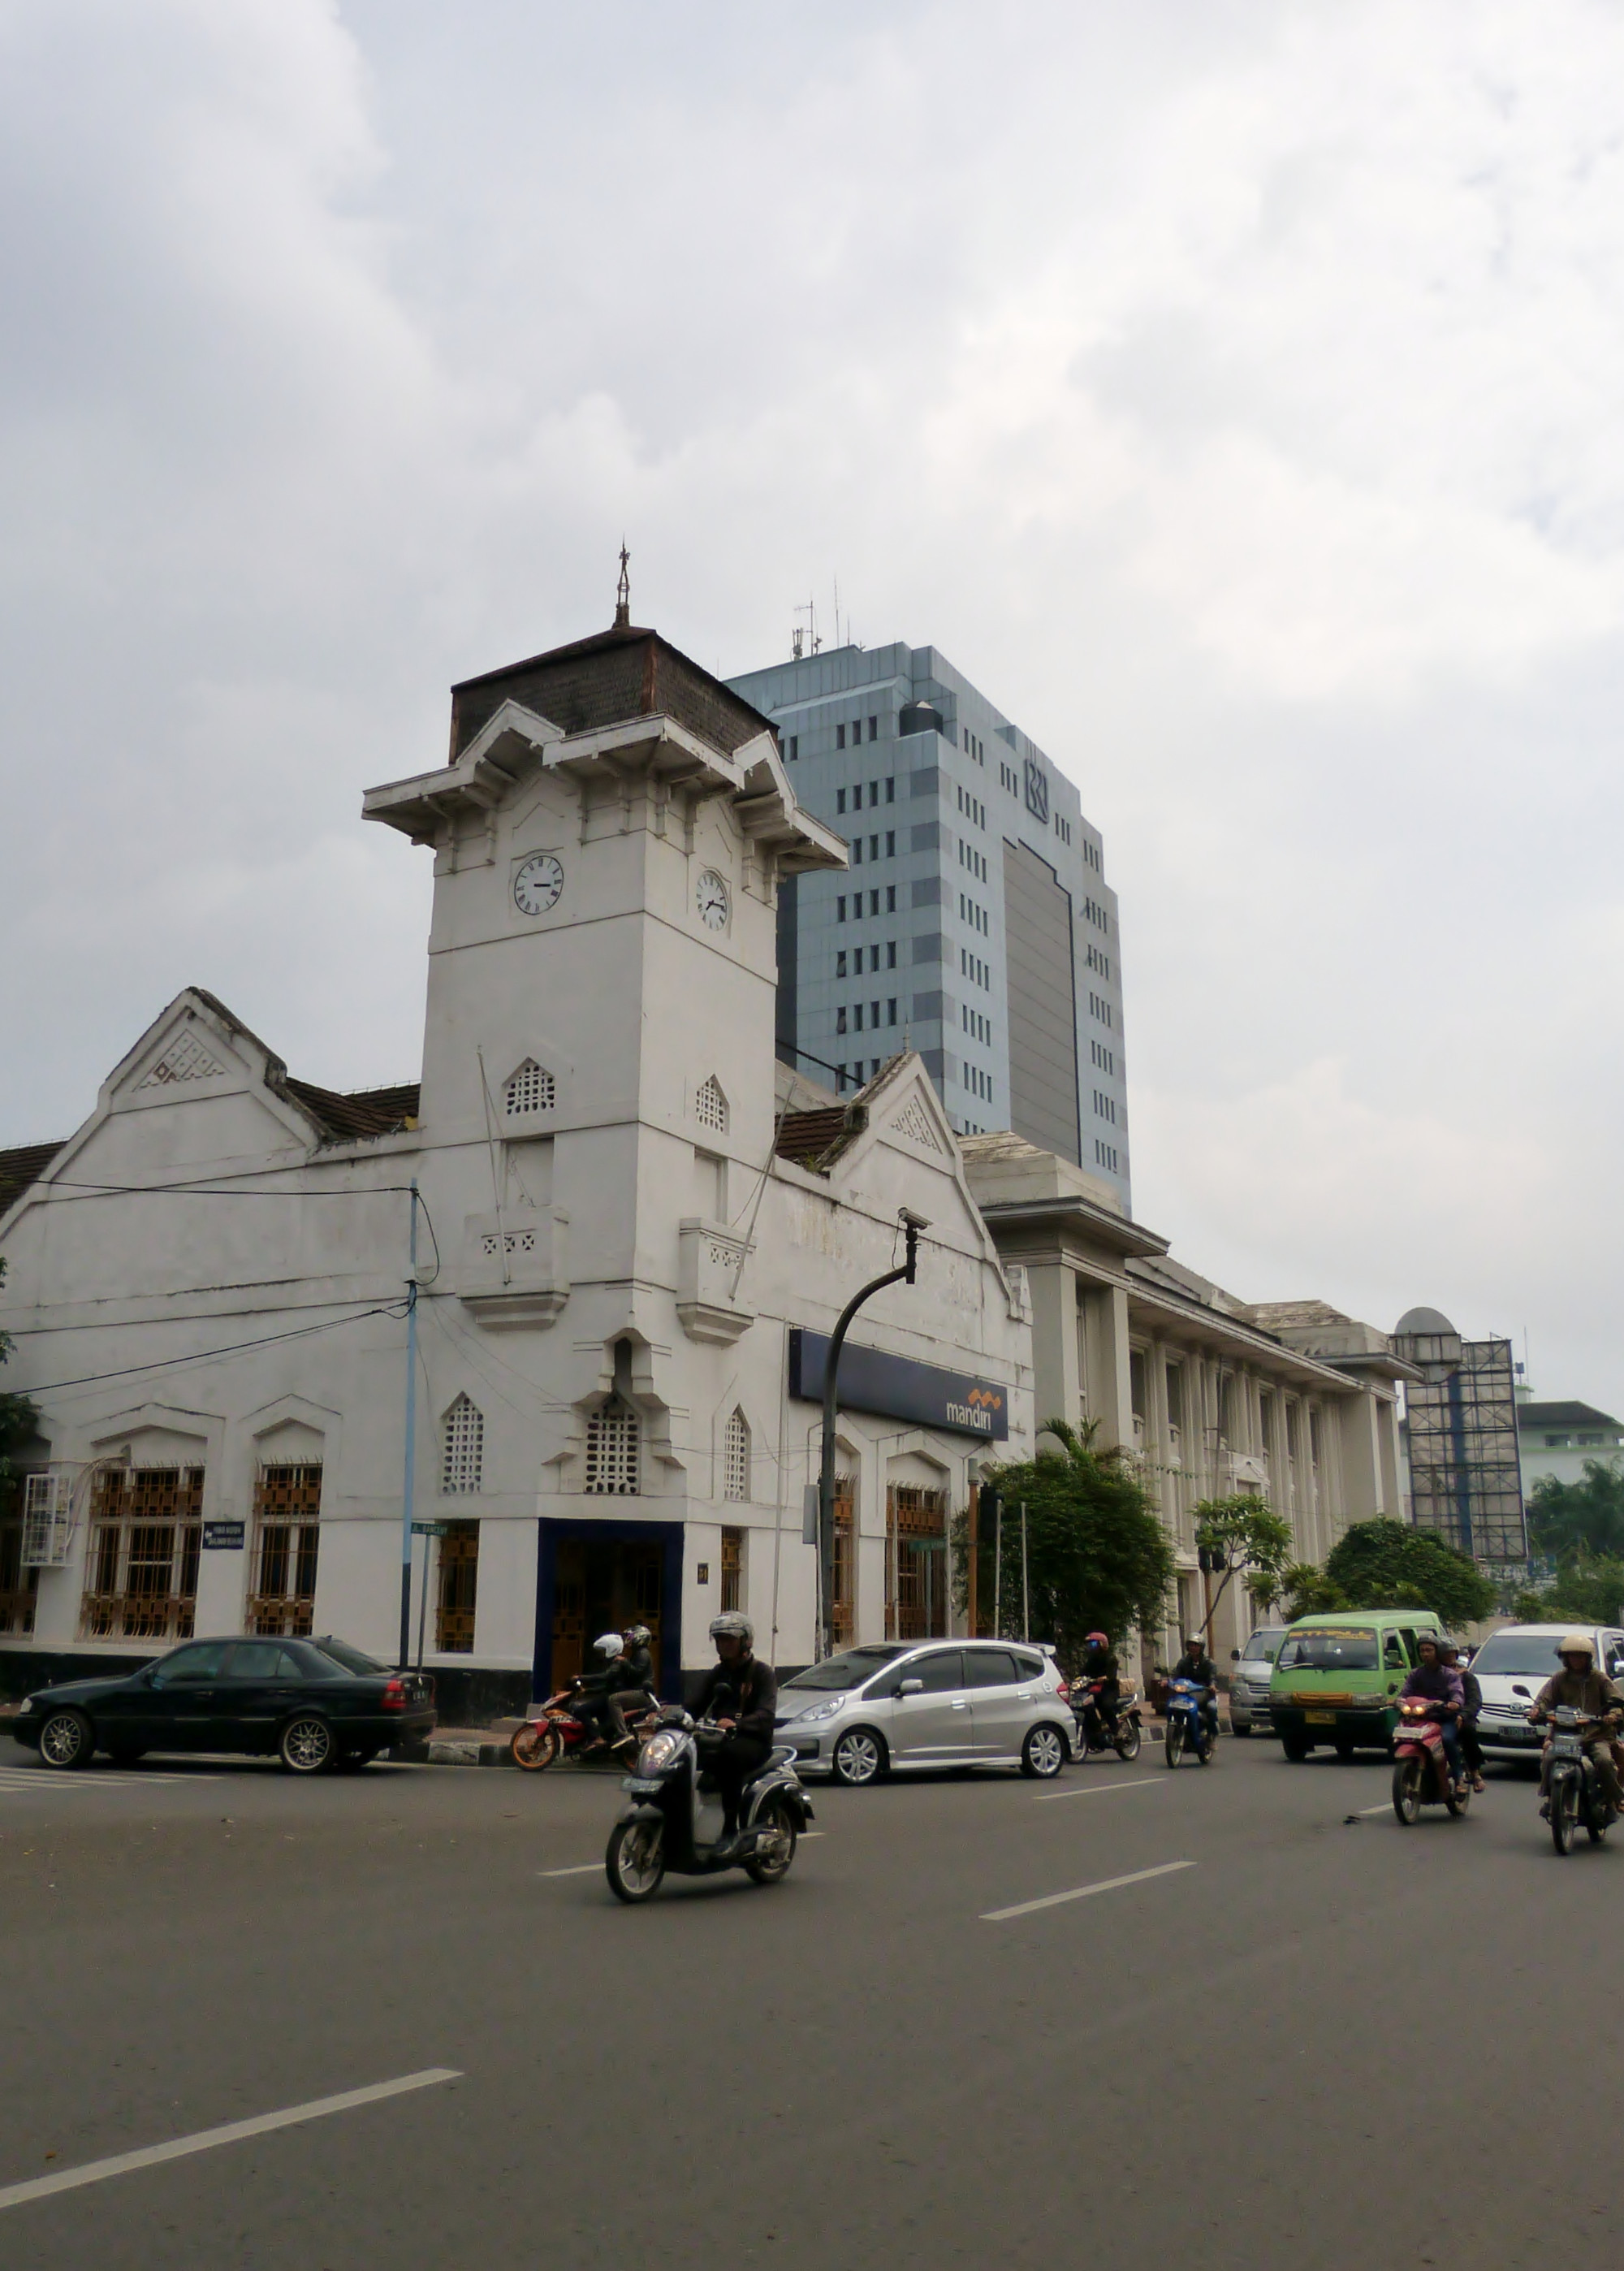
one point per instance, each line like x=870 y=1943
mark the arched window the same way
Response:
x=530 y=1089
x=710 y=1106
x=611 y=1451
x=462 y=1450
x=736 y=1463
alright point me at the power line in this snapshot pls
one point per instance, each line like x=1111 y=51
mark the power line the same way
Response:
x=207 y=1356
x=216 y=1191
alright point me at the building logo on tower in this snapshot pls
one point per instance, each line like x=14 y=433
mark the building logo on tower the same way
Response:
x=1037 y=791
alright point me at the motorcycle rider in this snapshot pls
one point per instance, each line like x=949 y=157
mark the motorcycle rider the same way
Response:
x=633 y=1671
x=1472 y=1704
x=1436 y=1683
x=1100 y=1675
x=1197 y=1667
x=741 y=1693
x=1581 y=1687
x=589 y=1691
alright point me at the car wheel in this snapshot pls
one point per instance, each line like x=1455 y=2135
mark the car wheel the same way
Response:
x=352 y=1761
x=125 y=1755
x=1344 y=1747
x=1240 y=1730
x=859 y=1757
x=66 y=1741
x=1043 y=1753
x=307 y=1746
x=1296 y=1749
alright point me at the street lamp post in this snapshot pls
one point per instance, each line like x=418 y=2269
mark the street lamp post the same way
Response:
x=912 y=1225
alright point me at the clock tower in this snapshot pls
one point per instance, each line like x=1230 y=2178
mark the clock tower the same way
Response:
x=609 y=835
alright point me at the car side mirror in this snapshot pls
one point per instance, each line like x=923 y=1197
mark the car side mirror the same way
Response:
x=1234 y=1656
x=909 y=1688
x=1518 y=1688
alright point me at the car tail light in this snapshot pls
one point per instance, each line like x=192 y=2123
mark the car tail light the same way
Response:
x=394 y=1696
x=1065 y=1691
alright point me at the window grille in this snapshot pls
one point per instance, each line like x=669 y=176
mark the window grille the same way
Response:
x=611 y=1451
x=462 y=1450
x=710 y=1106
x=532 y=1089
x=141 y=1571
x=287 y=1537
x=459 y=1585
x=737 y=1484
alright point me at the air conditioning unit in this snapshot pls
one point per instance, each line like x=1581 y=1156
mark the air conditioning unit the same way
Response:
x=48 y=1518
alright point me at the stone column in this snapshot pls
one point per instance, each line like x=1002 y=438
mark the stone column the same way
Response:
x=1057 y=1387
x=1109 y=1400
x=1361 y=1458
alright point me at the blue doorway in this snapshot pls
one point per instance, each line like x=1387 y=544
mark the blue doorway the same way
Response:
x=601 y=1577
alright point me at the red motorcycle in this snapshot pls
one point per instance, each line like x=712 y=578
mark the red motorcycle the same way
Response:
x=555 y=1733
x=1421 y=1765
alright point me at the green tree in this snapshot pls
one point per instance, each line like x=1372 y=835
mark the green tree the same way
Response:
x=1588 y=1590
x=1586 y=1517
x=1388 y=1564
x=1252 y=1539
x=1301 y=1588
x=18 y=1420
x=1097 y=1553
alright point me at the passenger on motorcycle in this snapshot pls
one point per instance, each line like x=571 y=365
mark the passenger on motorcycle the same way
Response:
x=633 y=1672
x=1580 y=1688
x=592 y=1692
x=1437 y=1684
x=1099 y=1676
x=1197 y=1666
x=741 y=1693
x=1472 y=1704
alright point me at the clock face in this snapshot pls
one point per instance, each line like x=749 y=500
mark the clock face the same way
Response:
x=711 y=895
x=538 y=883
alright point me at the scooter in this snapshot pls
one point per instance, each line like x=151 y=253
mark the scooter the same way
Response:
x=1189 y=1728
x=672 y=1821
x=1096 y=1733
x=1576 y=1793
x=556 y=1732
x=1421 y=1765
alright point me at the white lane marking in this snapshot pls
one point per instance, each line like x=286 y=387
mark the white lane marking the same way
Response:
x=1385 y=1807
x=1102 y=1789
x=588 y=1868
x=43 y=1778
x=1083 y=1892
x=229 y=2133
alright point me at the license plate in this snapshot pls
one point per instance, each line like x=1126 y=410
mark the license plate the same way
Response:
x=640 y=1786
x=1566 y=1747
x=1321 y=1719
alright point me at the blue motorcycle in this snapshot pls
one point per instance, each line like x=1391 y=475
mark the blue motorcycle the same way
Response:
x=1189 y=1728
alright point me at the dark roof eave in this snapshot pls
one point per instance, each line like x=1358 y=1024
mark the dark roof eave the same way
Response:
x=1113 y=1229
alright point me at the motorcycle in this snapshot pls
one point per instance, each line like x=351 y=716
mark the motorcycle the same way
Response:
x=556 y=1731
x=1096 y=1734
x=1189 y=1728
x=1421 y=1765
x=672 y=1821
x=1575 y=1794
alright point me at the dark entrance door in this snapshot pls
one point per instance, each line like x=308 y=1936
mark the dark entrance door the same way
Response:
x=602 y=1576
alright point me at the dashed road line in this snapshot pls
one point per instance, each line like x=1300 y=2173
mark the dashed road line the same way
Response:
x=1082 y=1892
x=120 y=2164
x=1103 y=1788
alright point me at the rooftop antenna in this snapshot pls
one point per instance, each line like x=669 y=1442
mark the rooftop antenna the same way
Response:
x=796 y=638
x=837 y=638
x=623 y=592
x=810 y=613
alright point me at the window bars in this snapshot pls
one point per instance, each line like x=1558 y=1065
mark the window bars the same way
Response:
x=733 y=1568
x=710 y=1106
x=459 y=1586
x=145 y=1537
x=611 y=1451
x=288 y=1536
x=530 y=1089
x=462 y=1450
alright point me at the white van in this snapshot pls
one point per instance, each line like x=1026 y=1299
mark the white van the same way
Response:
x=1512 y=1666
x=1248 y=1682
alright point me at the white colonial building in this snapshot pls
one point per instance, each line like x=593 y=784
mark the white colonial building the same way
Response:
x=632 y=1227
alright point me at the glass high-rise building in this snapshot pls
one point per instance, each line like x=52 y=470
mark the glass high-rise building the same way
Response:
x=974 y=921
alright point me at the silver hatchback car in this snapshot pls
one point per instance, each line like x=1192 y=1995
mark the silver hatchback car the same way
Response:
x=890 y=1707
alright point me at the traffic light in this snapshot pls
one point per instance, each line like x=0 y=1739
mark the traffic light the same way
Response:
x=987 y=1504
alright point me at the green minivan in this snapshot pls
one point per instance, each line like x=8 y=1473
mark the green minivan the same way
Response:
x=1337 y=1678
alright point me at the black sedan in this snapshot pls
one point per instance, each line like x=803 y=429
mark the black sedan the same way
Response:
x=316 y=1704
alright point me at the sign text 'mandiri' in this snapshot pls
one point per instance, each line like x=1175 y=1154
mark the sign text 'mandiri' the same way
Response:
x=896 y=1387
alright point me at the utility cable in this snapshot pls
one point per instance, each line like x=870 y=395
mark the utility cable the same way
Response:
x=207 y=1356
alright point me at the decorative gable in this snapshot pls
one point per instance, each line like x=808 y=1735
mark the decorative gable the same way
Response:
x=913 y=1123
x=185 y=1059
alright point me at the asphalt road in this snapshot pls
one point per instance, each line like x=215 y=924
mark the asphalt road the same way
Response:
x=1321 y=2043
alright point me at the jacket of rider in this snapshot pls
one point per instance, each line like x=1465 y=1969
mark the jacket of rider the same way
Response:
x=1198 y=1667
x=1101 y=1664
x=1436 y=1683
x=634 y=1669
x=1589 y=1692
x=754 y=1685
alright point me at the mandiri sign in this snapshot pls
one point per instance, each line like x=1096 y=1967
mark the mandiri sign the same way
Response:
x=896 y=1387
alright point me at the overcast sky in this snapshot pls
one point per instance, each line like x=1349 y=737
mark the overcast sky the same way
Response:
x=1233 y=392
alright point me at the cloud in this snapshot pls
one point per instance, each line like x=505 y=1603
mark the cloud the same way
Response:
x=1230 y=390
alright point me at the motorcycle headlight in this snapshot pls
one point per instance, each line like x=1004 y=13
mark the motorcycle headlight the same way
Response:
x=658 y=1752
x=825 y=1710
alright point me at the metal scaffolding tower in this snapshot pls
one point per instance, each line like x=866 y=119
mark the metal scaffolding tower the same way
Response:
x=1465 y=1475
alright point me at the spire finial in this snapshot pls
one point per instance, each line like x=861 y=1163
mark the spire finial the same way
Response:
x=623 y=592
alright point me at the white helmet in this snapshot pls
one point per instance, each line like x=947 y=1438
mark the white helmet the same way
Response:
x=731 y=1624
x=608 y=1646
